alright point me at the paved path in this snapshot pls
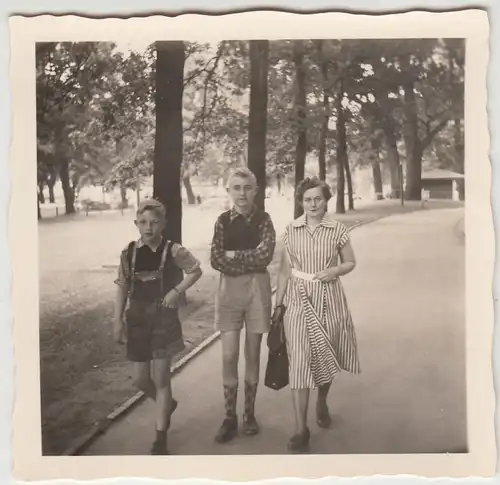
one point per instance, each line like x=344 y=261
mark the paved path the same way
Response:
x=407 y=299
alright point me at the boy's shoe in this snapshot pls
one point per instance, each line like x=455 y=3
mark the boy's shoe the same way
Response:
x=228 y=430
x=159 y=447
x=250 y=425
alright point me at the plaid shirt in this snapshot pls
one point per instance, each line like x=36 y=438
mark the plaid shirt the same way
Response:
x=245 y=261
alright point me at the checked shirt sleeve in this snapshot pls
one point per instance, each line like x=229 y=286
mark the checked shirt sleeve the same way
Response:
x=261 y=256
x=218 y=259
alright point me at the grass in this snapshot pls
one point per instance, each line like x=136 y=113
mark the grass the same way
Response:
x=84 y=374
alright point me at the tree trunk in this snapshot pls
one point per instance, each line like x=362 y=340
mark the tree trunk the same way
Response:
x=350 y=194
x=377 y=174
x=69 y=194
x=341 y=150
x=51 y=182
x=322 y=139
x=459 y=155
x=393 y=157
x=413 y=149
x=300 y=106
x=278 y=183
x=137 y=191
x=169 y=140
x=326 y=115
x=38 y=207
x=257 y=119
x=123 y=195
x=189 y=190
x=41 y=195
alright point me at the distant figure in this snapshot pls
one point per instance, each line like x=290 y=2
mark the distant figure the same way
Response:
x=148 y=294
x=242 y=248
x=319 y=331
x=198 y=199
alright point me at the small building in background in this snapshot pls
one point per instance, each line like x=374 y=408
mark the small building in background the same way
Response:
x=441 y=184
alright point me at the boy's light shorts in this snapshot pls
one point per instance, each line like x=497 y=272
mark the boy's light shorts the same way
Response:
x=244 y=300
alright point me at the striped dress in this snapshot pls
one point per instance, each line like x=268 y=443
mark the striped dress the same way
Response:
x=320 y=335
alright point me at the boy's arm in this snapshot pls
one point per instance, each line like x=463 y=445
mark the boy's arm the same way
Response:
x=122 y=282
x=218 y=259
x=263 y=254
x=120 y=300
x=185 y=260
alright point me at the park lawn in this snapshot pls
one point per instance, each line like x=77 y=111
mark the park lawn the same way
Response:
x=84 y=374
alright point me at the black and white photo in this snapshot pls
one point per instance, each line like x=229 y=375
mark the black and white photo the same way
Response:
x=256 y=244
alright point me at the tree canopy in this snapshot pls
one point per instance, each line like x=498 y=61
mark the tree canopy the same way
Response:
x=348 y=104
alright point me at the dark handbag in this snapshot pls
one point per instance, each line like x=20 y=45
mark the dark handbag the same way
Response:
x=276 y=376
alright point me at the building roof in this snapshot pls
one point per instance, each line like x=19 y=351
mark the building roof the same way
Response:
x=439 y=174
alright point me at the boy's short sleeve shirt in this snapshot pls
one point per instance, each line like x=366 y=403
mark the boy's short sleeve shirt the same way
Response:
x=183 y=259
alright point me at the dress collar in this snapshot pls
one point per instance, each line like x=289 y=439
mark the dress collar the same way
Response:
x=327 y=221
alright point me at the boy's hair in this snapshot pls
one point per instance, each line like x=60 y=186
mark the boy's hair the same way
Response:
x=242 y=172
x=152 y=205
x=312 y=183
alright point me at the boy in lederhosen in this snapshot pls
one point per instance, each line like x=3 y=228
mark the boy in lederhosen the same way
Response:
x=242 y=248
x=148 y=293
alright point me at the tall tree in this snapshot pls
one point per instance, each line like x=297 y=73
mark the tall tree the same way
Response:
x=257 y=122
x=169 y=133
x=342 y=160
x=326 y=107
x=300 y=107
x=69 y=78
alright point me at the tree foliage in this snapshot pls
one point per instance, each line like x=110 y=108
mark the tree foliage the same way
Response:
x=345 y=103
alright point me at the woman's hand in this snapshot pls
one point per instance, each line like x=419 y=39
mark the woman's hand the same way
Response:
x=327 y=275
x=171 y=299
x=278 y=313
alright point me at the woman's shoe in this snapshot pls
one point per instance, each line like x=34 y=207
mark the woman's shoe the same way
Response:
x=299 y=443
x=323 y=418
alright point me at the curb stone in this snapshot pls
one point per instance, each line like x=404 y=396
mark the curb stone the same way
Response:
x=99 y=428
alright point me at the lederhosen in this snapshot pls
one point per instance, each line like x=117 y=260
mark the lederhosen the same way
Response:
x=153 y=331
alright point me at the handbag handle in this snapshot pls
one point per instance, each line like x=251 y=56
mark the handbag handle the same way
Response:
x=276 y=335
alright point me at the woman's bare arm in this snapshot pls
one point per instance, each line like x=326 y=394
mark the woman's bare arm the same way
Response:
x=347 y=260
x=283 y=276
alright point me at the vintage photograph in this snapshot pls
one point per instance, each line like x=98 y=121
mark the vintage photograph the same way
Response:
x=207 y=156
x=253 y=246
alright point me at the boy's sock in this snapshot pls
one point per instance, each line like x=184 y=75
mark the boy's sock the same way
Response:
x=230 y=398
x=250 y=395
x=161 y=436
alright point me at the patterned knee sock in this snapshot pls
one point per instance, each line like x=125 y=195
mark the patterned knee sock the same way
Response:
x=250 y=395
x=230 y=397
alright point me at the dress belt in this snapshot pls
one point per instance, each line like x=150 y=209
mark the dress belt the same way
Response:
x=303 y=276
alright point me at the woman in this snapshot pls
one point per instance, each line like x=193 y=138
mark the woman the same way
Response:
x=321 y=340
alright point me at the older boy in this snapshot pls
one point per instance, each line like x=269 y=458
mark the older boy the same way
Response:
x=242 y=248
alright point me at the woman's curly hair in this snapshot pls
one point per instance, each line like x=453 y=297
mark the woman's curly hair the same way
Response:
x=312 y=183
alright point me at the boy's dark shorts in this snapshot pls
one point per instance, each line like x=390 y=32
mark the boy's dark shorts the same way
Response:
x=153 y=332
